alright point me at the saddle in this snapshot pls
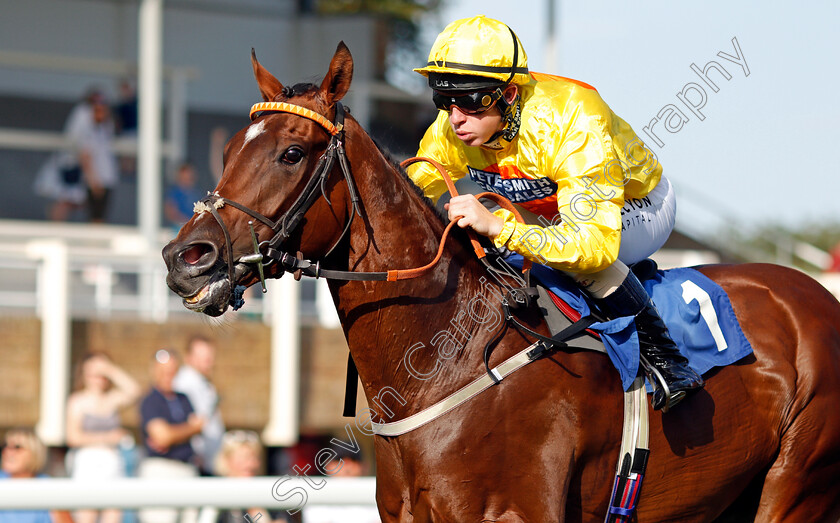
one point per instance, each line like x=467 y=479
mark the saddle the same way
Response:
x=559 y=315
x=568 y=330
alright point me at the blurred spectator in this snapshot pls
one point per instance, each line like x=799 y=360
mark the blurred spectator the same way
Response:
x=167 y=422
x=93 y=425
x=125 y=110
x=181 y=196
x=23 y=457
x=193 y=379
x=88 y=172
x=241 y=456
x=125 y=116
x=346 y=464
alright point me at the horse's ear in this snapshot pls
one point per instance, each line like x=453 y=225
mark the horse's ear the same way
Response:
x=337 y=81
x=270 y=87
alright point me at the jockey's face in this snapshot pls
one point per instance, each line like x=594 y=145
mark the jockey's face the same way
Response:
x=476 y=129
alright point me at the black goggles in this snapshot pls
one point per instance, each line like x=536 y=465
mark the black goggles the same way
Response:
x=471 y=103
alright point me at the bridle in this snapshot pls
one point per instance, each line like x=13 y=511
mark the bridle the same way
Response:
x=270 y=251
x=285 y=226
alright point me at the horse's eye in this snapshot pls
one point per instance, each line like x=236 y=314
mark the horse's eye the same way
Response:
x=292 y=155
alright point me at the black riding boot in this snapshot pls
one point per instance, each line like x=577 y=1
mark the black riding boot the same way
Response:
x=655 y=344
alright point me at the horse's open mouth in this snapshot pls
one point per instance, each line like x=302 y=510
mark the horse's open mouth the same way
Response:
x=212 y=299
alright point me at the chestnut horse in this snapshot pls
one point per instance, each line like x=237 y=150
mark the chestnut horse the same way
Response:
x=761 y=441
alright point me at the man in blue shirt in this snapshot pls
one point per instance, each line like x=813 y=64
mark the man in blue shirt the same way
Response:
x=167 y=424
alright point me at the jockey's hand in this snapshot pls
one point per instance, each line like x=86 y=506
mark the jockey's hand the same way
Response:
x=471 y=213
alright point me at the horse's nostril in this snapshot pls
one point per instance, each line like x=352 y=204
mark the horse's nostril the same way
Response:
x=194 y=253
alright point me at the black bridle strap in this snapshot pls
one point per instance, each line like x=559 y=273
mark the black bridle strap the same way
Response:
x=314 y=270
x=212 y=208
x=284 y=226
x=354 y=196
x=291 y=218
x=253 y=214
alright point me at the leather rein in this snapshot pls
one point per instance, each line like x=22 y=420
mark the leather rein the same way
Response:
x=270 y=251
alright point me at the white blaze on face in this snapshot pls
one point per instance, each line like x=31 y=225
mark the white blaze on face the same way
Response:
x=253 y=131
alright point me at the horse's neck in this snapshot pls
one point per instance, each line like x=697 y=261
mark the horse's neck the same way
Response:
x=399 y=229
x=384 y=321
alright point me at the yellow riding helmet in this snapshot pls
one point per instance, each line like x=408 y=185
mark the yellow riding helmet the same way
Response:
x=478 y=46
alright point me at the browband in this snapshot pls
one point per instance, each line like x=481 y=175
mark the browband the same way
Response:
x=294 y=109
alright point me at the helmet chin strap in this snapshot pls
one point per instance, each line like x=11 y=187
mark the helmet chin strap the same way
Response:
x=511 y=119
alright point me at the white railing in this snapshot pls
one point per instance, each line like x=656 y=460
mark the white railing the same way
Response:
x=101 y=281
x=104 y=284
x=148 y=147
x=64 y=271
x=83 y=65
x=176 y=77
x=29 y=140
x=831 y=281
x=282 y=493
x=104 y=269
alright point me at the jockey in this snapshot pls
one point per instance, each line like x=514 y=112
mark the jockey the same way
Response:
x=552 y=146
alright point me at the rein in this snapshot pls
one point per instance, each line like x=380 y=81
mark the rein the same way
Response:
x=288 y=223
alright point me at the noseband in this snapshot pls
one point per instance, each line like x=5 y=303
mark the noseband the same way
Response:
x=286 y=224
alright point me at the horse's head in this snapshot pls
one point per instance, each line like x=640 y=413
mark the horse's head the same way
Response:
x=277 y=176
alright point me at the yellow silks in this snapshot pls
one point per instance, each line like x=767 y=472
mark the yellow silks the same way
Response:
x=569 y=139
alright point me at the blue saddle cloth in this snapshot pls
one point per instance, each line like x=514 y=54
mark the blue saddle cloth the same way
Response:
x=696 y=310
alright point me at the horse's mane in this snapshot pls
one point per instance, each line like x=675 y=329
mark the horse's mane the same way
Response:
x=290 y=91
x=417 y=190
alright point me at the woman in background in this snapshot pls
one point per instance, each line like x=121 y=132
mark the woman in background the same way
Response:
x=93 y=425
x=23 y=457
x=241 y=455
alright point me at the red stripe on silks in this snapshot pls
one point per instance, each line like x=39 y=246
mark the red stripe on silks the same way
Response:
x=568 y=311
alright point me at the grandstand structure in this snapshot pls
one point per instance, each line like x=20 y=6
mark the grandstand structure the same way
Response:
x=68 y=288
x=72 y=287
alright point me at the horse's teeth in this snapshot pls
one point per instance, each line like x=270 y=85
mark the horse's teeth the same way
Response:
x=202 y=293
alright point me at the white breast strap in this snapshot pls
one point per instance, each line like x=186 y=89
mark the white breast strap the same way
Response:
x=448 y=403
x=635 y=404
